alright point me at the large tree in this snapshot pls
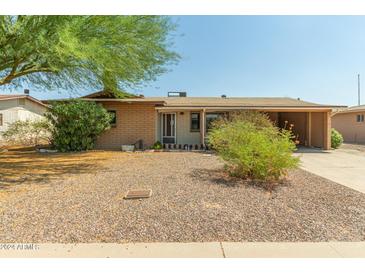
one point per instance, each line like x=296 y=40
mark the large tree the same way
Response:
x=84 y=51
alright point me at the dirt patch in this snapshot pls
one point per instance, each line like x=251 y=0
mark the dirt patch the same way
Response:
x=25 y=165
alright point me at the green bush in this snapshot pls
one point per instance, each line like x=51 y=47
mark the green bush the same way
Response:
x=157 y=145
x=28 y=132
x=252 y=147
x=336 y=139
x=76 y=124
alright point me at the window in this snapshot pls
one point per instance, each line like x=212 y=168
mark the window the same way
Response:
x=195 y=121
x=114 y=119
x=210 y=117
x=1 y=119
x=360 y=118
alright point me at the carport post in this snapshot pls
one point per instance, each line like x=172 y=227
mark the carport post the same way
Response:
x=327 y=130
x=309 y=129
x=202 y=128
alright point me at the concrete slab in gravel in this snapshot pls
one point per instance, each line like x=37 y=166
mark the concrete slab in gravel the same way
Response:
x=193 y=250
x=343 y=166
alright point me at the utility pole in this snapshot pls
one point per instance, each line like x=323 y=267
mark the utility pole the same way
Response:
x=358 y=89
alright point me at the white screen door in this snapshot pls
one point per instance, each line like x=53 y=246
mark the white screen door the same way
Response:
x=169 y=128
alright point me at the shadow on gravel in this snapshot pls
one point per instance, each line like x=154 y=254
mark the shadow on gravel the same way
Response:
x=29 y=166
x=220 y=177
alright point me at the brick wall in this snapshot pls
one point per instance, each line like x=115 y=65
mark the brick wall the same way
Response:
x=134 y=122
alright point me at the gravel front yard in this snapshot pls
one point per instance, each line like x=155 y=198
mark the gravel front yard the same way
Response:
x=192 y=200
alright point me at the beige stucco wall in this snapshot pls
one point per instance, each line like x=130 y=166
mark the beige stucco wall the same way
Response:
x=183 y=133
x=134 y=122
x=15 y=109
x=352 y=131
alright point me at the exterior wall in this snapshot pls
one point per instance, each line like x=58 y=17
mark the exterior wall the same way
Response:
x=184 y=135
x=299 y=121
x=274 y=117
x=352 y=131
x=134 y=122
x=13 y=111
x=317 y=131
x=312 y=128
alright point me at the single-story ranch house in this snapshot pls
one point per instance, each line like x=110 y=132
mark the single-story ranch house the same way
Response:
x=19 y=107
x=179 y=121
x=350 y=123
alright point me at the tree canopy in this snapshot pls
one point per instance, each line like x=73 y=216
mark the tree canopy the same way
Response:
x=95 y=52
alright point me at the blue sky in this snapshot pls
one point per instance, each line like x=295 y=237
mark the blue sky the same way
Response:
x=316 y=58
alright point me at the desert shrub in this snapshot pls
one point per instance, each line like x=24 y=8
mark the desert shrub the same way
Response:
x=157 y=145
x=28 y=132
x=252 y=147
x=336 y=139
x=76 y=124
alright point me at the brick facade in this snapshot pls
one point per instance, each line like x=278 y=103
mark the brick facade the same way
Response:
x=133 y=122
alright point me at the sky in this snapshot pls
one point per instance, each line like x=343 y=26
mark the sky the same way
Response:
x=315 y=58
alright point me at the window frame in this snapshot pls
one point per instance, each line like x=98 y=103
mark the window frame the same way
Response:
x=191 y=122
x=359 y=118
x=219 y=115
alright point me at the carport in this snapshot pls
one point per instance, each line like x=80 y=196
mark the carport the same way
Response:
x=311 y=128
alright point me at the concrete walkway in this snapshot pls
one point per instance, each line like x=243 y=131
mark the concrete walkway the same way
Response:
x=343 y=166
x=189 y=250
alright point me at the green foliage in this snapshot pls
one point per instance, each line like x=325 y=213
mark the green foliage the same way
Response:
x=77 y=124
x=252 y=147
x=157 y=145
x=28 y=132
x=72 y=52
x=336 y=139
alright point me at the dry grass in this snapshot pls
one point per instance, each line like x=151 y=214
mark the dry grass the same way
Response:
x=24 y=165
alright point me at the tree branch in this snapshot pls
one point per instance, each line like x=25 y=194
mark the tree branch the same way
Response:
x=10 y=77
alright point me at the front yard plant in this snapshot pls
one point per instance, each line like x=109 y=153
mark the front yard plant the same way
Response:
x=28 y=133
x=336 y=139
x=76 y=124
x=157 y=145
x=252 y=147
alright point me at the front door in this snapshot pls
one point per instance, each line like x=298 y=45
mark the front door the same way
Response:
x=169 y=128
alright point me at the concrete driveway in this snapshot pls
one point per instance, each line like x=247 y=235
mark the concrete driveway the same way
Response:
x=343 y=166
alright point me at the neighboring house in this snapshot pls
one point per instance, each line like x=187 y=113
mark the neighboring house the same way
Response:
x=350 y=123
x=17 y=107
x=180 y=121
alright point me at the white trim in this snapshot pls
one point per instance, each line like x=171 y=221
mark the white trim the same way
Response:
x=163 y=133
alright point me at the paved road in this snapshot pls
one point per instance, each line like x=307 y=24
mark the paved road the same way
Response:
x=343 y=166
